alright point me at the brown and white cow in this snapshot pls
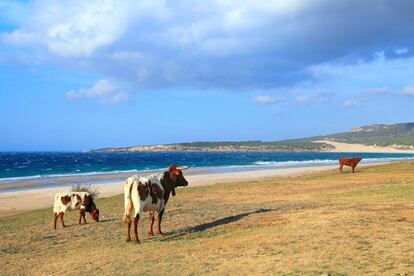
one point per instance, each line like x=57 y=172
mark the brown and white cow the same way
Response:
x=150 y=194
x=82 y=201
x=351 y=162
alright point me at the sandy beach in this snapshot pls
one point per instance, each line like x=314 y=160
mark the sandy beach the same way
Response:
x=17 y=201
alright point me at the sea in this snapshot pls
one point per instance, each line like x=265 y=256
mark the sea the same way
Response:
x=15 y=166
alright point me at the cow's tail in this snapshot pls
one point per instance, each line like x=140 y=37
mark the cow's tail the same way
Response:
x=56 y=204
x=129 y=205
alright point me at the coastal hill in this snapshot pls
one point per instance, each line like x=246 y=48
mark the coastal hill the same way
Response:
x=375 y=138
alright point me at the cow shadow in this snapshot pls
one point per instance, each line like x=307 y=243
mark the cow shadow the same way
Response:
x=107 y=220
x=350 y=172
x=75 y=224
x=212 y=224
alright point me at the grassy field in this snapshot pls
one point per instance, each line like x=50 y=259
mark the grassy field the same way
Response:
x=321 y=223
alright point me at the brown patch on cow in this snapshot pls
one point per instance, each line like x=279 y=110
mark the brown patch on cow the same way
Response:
x=65 y=199
x=86 y=200
x=155 y=192
x=78 y=199
x=142 y=191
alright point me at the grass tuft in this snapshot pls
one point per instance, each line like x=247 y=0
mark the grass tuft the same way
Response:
x=92 y=190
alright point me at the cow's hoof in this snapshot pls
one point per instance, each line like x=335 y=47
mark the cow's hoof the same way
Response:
x=137 y=242
x=160 y=234
x=128 y=239
x=150 y=234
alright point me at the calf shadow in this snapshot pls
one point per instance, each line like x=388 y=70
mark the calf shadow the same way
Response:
x=215 y=223
x=74 y=224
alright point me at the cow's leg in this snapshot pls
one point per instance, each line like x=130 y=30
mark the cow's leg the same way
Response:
x=159 y=232
x=353 y=169
x=84 y=217
x=136 y=220
x=150 y=226
x=340 y=167
x=61 y=219
x=81 y=211
x=128 y=231
x=55 y=217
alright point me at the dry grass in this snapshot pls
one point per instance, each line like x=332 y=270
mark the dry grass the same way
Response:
x=322 y=223
x=90 y=189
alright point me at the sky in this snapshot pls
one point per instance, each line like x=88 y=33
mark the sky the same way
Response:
x=78 y=75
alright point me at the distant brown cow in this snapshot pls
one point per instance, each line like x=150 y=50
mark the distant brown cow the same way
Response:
x=351 y=162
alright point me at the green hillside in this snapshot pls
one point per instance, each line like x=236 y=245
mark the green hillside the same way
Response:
x=288 y=145
x=380 y=135
x=401 y=135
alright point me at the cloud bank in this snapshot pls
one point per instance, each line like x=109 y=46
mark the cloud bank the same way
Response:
x=212 y=44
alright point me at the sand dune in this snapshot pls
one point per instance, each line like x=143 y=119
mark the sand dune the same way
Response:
x=346 y=147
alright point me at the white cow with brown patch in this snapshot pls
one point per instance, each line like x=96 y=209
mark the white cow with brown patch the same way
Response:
x=82 y=201
x=149 y=194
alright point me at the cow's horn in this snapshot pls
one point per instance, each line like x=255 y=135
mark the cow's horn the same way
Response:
x=183 y=168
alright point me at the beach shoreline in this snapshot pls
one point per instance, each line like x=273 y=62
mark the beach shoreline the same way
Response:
x=14 y=202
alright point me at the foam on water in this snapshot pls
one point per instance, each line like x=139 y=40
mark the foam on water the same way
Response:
x=34 y=165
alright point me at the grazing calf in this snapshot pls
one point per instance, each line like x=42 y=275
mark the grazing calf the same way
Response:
x=150 y=194
x=351 y=162
x=82 y=201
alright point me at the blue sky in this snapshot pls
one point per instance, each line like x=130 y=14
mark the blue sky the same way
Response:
x=90 y=74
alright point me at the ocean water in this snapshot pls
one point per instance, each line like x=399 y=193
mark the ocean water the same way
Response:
x=21 y=165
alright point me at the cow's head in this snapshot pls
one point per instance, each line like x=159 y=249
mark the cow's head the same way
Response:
x=358 y=159
x=95 y=214
x=177 y=177
x=91 y=207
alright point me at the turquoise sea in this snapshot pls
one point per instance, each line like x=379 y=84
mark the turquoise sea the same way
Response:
x=21 y=165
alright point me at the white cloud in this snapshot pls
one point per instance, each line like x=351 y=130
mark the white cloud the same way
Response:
x=19 y=37
x=314 y=98
x=379 y=90
x=102 y=91
x=128 y=55
x=401 y=51
x=408 y=91
x=89 y=27
x=74 y=28
x=266 y=99
x=211 y=44
x=351 y=103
